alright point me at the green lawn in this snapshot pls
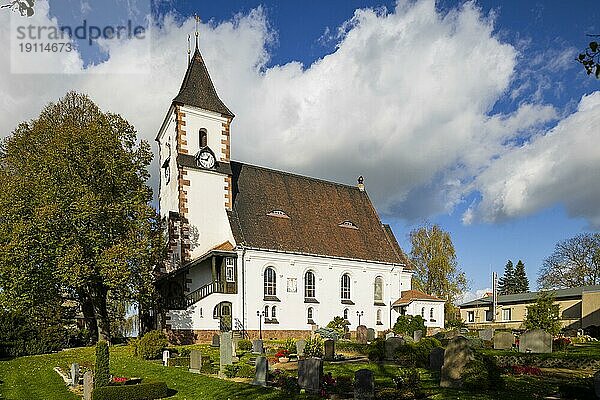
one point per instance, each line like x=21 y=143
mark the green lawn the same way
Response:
x=31 y=378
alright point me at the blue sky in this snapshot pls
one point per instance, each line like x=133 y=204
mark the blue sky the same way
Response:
x=508 y=178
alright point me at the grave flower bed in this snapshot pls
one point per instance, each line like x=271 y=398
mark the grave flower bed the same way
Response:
x=525 y=370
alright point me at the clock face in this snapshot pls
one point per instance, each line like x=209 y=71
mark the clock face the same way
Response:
x=206 y=159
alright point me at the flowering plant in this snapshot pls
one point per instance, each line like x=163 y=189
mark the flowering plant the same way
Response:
x=561 y=343
x=119 y=379
x=282 y=353
x=525 y=370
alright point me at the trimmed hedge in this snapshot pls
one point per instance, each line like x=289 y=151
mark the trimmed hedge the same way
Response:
x=101 y=370
x=141 y=391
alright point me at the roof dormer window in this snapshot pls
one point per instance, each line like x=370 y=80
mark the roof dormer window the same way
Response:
x=348 y=224
x=278 y=214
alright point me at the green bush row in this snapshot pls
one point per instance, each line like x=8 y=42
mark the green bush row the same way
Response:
x=178 y=362
x=240 y=371
x=142 y=391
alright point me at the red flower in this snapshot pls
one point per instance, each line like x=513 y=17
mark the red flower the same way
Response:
x=118 y=379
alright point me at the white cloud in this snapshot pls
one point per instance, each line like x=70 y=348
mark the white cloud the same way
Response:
x=473 y=295
x=405 y=100
x=560 y=167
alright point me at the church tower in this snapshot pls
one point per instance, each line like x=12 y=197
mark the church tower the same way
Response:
x=195 y=182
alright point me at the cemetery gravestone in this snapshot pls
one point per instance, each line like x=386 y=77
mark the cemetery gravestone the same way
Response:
x=74 y=374
x=88 y=385
x=457 y=355
x=310 y=374
x=165 y=357
x=216 y=341
x=503 y=341
x=364 y=385
x=262 y=368
x=195 y=360
x=370 y=334
x=597 y=384
x=391 y=345
x=361 y=334
x=486 y=334
x=329 y=347
x=300 y=345
x=535 y=341
x=417 y=335
x=436 y=358
x=257 y=346
x=389 y=335
x=225 y=351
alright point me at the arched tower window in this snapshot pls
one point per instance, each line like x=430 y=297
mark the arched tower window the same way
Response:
x=266 y=312
x=309 y=313
x=378 y=317
x=378 y=289
x=346 y=314
x=431 y=314
x=345 y=287
x=270 y=282
x=203 y=138
x=273 y=312
x=309 y=285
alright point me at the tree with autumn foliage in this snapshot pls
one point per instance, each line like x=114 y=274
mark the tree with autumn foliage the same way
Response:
x=76 y=216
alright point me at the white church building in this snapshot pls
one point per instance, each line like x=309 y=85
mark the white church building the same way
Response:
x=256 y=248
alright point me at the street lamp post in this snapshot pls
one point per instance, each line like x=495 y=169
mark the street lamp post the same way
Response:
x=260 y=315
x=359 y=314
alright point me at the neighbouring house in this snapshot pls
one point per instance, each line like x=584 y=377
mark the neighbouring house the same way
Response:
x=415 y=302
x=253 y=248
x=579 y=309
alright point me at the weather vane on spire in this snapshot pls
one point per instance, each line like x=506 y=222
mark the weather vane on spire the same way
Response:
x=197 y=23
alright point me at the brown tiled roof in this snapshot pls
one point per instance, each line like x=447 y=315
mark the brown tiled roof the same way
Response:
x=315 y=209
x=409 y=295
x=198 y=90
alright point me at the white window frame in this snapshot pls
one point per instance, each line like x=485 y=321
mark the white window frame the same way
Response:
x=310 y=287
x=345 y=287
x=270 y=282
x=229 y=269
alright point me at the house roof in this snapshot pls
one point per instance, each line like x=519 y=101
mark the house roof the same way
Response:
x=198 y=90
x=314 y=212
x=531 y=296
x=408 y=296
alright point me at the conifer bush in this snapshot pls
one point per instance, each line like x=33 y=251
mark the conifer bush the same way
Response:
x=101 y=371
x=151 y=345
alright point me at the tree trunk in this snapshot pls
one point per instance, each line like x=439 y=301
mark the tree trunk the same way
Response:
x=87 y=308
x=99 y=294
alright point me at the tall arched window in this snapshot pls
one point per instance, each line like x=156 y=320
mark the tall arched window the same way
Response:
x=378 y=289
x=273 y=312
x=378 y=317
x=203 y=138
x=345 y=287
x=346 y=314
x=423 y=312
x=266 y=312
x=309 y=313
x=270 y=282
x=309 y=285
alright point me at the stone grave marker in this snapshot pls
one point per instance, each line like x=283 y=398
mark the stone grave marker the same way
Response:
x=436 y=358
x=165 y=357
x=88 y=385
x=262 y=368
x=535 y=341
x=364 y=384
x=257 y=346
x=329 y=347
x=74 y=374
x=300 y=345
x=310 y=374
x=225 y=351
x=361 y=334
x=486 y=334
x=370 y=334
x=597 y=384
x=503 y=340
x=195 y=360
x=389 y=335
x=457 y=355
x=216 y=341
x=391 y=345
x=417 y=335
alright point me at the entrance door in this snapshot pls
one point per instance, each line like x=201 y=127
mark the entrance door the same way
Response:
x=223 y=312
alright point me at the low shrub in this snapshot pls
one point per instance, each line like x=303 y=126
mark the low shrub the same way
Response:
x=245 y=345
x=282 y=353
x=339 y=325
x=377 y=350
x=246 y=371
x=178 y=362
x=482 y=373
x=408 y=324
x=151 y=345
x=561 y=343
x=417 y=354
x=314 y=347
x=142 y=391
x=290 y=345
x=344 y=385
x=184 y=351
x=231 y=370
x=287 y=383
x=353 y=347
x=407 y=378
x=101 y=369
x=208 y=367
